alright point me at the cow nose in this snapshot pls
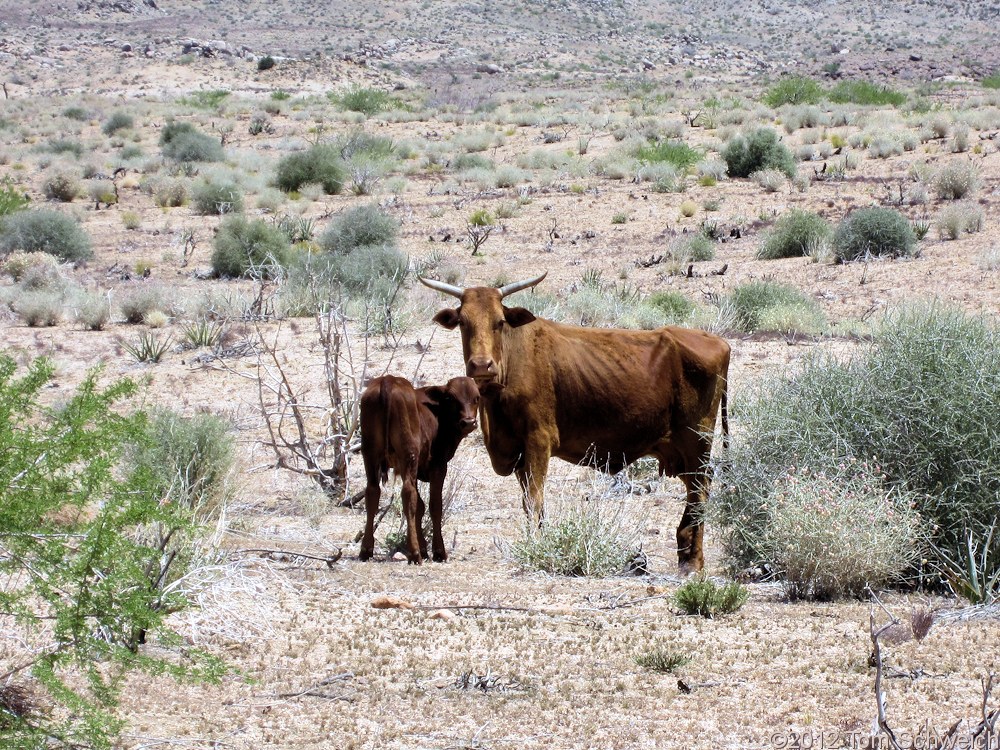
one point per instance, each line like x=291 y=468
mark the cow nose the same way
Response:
x=469 y=424
x=481 y=368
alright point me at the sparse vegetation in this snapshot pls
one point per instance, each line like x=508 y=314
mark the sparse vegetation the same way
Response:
x=702 y=596
x=45 y=231
x=874 y=233
x=759 y=149
x=796 y=233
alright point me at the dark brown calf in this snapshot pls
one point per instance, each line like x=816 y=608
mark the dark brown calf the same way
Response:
x=415 y=432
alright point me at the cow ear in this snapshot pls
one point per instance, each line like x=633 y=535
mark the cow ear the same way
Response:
x=491 y=389
x=448 y=318
x=517 y=316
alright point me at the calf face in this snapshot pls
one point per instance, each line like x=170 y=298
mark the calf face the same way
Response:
x=415 y=432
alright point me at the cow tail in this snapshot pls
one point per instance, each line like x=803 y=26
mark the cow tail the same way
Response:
x=725 y=418
x=383 y=402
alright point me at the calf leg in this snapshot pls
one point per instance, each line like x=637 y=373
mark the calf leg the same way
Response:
x=373 y=494
x=410 y=506
x=691 y=530
x=421 y=509
x=437 y=511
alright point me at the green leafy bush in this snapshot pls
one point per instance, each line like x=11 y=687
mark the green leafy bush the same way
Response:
x=865 y=93
x=89 y=574
x=248 y=246
x=216 y=198
x=358 y=226
x=834 y=535
x=760 y=149
x=182 y=142
x=771 y=306
x=674 y=305
x=11 y=198
x=265 y=63
x=579 y=538
x=910 y=406
x=368 y=101
x=674 y=152
x=991 y=81
x=793 y=90
x=45 y=231
x=874 y=232
x=321 y=164
x=117 y=121
x=660 y=659
x=796 y=233
x=702 y=596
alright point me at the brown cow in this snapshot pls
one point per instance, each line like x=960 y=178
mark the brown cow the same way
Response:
x=415 y=432
x=592 y=395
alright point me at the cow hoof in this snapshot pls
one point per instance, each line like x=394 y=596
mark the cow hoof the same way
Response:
x=443 y=557
x=365 y=555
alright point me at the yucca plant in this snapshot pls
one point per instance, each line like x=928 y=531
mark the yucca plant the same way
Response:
x=148 y=347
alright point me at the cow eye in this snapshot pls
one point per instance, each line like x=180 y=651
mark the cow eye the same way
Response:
x=499 y=324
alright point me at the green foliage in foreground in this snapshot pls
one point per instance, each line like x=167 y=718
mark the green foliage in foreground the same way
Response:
x=11 y=198
x=756 y=151
x=701 y=596
x=916 y=407
x=75 y=535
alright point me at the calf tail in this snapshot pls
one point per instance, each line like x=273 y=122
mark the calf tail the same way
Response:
x=383 y=399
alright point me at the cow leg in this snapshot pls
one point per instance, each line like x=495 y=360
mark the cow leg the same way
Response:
x=437 y=511
x=531 y=476
x=691 y=530
x=410 y=505
x=421 y=509
x=373 y=494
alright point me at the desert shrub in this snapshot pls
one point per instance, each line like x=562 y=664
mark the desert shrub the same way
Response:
x=910 y=406
x=661 y=659
x=992 y=81
x=358 y=226
x=673 y=152
x=181 y=141
x=92 y=311
x=956 y=180
x=147 y=347
x=833 y=536
x=102 y=191
x=170 y=193
x=874 y=232
x=793 y=90
x=772 y=180
x=76 y=113
x=771 y=306
x=34 y=270
x=675 y=305
x=715 y=169
x=265 y=63
x=90 y=577
x=39 y=308
x=321 y=164
x=471 y=161
x=583 y=537
x=865 y=93
x=702 y=596
x=61 y=186
x=508 y=176
x=692 y=248
x=760 y=149
x=367 y=101
x=191 y=460
x=11 y=198
x=666 y=178
x=795 y=234
x=117 y=121
x=45 y=231
x=373 y=270
x=141 y=301
x=957 y=219
x=216 y=198
x=65 y=146
x=131 y=220
x=248 y=246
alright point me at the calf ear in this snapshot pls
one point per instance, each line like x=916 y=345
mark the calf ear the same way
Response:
x=517 y=316
x=447 y=318
x=436 y=394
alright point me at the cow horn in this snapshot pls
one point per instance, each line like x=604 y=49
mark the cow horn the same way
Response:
x=454 y=291
x=519 y=285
